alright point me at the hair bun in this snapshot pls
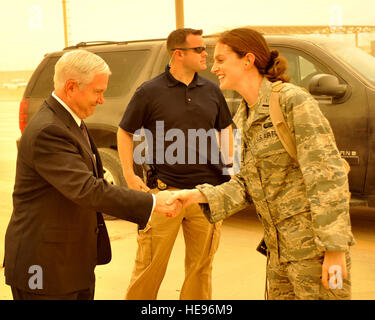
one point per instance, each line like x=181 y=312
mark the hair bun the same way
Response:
x=274 y=54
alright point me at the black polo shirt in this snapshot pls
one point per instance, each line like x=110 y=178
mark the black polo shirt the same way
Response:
x=173 y=113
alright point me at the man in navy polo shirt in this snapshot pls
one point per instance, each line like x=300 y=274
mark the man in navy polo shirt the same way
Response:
x=175 y=107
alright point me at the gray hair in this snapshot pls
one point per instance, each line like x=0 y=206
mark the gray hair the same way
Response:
x=79 y=65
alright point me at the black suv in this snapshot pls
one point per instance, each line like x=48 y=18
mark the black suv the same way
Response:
x=341 y=78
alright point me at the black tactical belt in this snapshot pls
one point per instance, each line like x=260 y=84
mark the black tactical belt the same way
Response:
x=161 y=185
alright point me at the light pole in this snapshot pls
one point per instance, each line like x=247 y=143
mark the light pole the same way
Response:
x=65 y=23
x=179 y=7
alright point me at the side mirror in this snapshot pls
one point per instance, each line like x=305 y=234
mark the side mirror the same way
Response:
x=327 y=85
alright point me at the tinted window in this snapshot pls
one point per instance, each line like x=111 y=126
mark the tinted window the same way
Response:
x=44 y=83
x=125 y=67
x=301 y=67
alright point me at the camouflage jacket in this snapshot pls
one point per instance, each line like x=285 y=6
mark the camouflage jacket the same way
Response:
x=304 y=206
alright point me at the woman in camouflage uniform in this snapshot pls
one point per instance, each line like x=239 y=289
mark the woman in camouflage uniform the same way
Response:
x=303 y=204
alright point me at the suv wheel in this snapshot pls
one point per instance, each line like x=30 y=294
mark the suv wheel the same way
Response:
x=112 y=170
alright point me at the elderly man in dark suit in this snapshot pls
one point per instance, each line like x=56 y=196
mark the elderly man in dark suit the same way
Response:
x=56 y=235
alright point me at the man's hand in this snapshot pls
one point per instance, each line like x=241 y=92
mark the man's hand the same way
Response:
x=125 y=151
x=136 y=183
x=163 y=205
x=333 y=259
x=188 y=197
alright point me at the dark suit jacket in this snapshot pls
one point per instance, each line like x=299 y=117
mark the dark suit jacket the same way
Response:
x=58 y=196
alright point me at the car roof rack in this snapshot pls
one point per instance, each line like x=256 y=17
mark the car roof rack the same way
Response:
x=93 y=43
x=99 y=43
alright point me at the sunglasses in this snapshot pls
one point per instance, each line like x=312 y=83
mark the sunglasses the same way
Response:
x=196 y=49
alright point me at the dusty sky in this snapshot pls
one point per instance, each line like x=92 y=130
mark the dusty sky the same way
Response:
x=30 y=28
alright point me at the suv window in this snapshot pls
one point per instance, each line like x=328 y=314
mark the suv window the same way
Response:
x=125 y=67
x=301 y=67
x=44 y=85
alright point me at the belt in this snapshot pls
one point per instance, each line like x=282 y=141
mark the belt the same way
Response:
x=161 y=185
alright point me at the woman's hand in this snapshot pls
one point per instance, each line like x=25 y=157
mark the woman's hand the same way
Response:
x=333 y=262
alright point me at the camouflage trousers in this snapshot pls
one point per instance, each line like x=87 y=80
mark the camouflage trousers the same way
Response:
x=301 y=280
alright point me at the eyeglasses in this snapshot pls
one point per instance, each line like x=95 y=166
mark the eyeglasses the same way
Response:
x=196 y=49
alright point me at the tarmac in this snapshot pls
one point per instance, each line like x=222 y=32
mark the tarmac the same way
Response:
x=238 y=269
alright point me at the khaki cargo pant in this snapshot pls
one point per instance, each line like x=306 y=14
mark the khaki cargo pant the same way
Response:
x=155 y=244
x=301 y=280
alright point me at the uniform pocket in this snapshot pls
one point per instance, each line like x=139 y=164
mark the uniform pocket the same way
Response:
x=144 y=253
x=215 y=238
x=266 y=142
x=296 y=238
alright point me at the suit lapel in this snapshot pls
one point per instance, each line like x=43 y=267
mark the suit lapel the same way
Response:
x=70 y=123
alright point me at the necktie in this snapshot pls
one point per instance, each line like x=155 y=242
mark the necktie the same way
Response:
x=86 y=135
x=84 y=132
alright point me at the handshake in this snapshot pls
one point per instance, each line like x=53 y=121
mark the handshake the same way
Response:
x=171 y=203
x=168 y=202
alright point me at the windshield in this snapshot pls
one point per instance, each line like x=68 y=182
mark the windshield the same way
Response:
x=363 y=62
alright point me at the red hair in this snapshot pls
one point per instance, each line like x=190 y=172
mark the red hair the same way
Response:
x=269 y=63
